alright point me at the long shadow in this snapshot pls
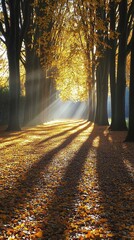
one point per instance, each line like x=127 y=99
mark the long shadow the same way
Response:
x=54 y=125
x=128 y=152
x=35 y=128
x=62 y=206
x=116 y=188
x=59 y=134
x=24 y=189
x=43 y=141
x=7 y=135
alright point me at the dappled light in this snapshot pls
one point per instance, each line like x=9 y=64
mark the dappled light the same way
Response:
x=66 y=180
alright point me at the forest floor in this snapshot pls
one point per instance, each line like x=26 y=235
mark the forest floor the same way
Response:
x=66 y=180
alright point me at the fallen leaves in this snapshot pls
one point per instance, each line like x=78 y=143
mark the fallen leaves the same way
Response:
x=39 y=234
x=66 y=181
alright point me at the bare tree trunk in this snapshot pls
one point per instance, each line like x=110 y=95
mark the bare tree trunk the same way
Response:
x=13 y=53
x=120 y=123
x=112 y=62
x=14 y=91
x=130 y=135
x=102 y=91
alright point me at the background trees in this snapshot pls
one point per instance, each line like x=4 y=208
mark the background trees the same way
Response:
x=40 y=43
x=78 y=48
x=13 y=25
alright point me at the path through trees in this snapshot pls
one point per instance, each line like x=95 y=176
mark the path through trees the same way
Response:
x=66 y=180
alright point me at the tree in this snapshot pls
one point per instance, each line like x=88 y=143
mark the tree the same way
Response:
x=102 y=70
x=13 y=26
x=120 y=123
x=130 y=134
x=40 y=42
x=32 y=69
x=112 y=59
x=71 y=64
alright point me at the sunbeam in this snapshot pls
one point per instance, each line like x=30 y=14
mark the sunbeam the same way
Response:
x=60 y=110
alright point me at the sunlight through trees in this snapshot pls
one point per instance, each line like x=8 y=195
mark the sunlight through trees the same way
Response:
x=74 y=50
x=66 y=119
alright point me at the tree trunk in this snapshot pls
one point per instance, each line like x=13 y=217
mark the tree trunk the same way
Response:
x=102 y=73
x=112 y=63
x=14 y=91
x=35 y=90
x=13 y=52
x=41 y=96
x=32 y=88
x=98 y=94
x=102 y=92
x=28 y=83
x=130 y=135
x=92 y=105
x=120 y=123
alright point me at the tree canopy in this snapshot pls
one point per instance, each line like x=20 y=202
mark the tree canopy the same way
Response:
x=77 y=48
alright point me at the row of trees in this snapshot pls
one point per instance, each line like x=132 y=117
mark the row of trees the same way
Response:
x=75 y=46
x=108 y=27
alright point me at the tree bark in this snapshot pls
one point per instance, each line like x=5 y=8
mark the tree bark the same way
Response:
x=98 y=96
x=130 y=135
x=13 y=52
x=112 y=56
x=120 y=123
x=16 y=15
x=28 y=85
x=102 y=91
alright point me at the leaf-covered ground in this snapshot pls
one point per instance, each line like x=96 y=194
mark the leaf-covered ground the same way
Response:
x=66 y=180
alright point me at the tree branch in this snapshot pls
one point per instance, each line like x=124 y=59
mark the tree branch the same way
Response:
x=27 y=10
x=2 y=29
x=5 y=16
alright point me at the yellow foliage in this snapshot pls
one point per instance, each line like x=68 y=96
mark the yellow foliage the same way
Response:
x=72 y=66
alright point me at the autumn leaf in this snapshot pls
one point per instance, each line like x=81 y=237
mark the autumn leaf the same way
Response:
x=89 y=234
x=39 y=234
